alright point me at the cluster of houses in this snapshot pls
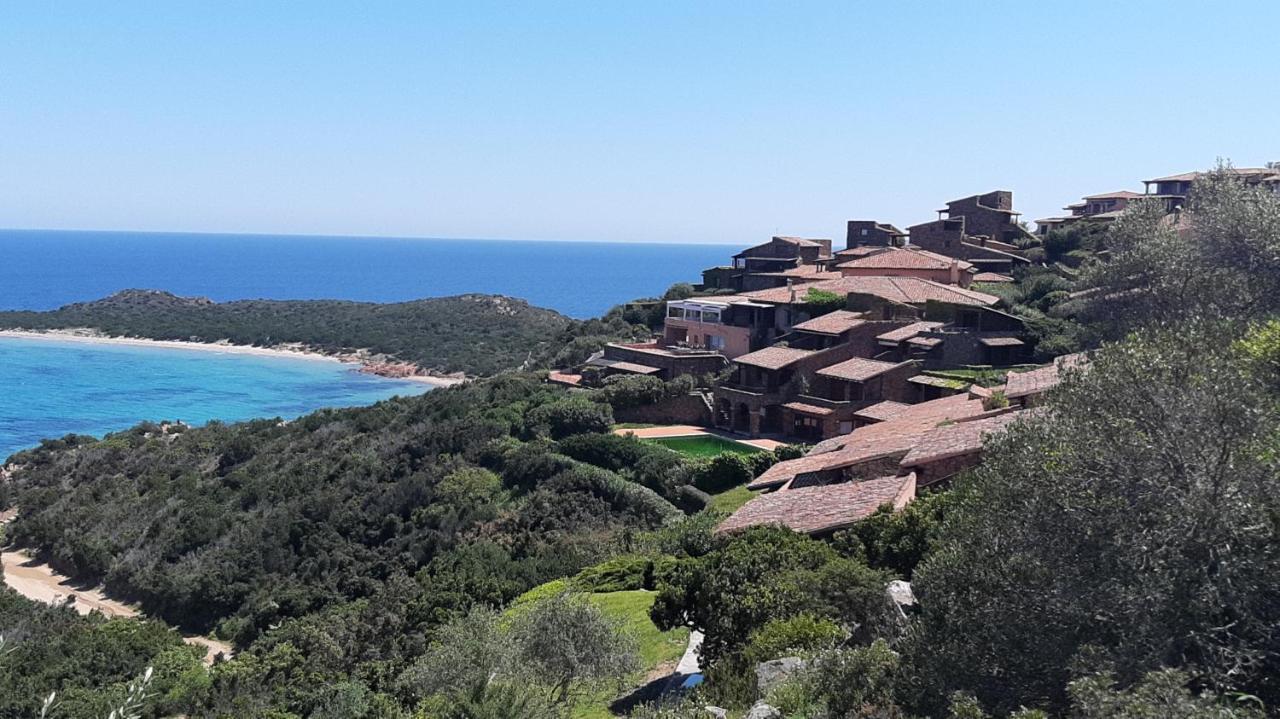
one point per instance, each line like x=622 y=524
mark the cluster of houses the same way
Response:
x=850 y=349
x=1172 y=191
x=905 y=304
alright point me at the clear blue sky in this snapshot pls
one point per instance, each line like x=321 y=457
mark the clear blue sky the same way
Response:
x=659 y=121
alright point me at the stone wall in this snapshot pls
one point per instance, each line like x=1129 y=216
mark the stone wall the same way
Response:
x=686 y=409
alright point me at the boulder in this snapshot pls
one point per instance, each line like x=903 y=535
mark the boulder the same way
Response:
x=904 y=600
x=763 y=711
x=774 y=672
x=717 y=712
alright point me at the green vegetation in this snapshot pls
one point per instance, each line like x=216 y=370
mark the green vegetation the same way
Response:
x=729 y=500
x=1117 y=554
x=703 y=445
x=474 y=334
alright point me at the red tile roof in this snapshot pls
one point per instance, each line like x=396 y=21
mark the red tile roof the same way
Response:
x=772 y=357
x=858 y=369
x=1038 y=381
x=991 y=277
x=902 y=334
x=832 y=323
x=905 y=259
x=824 y=508
x=1119 y=194
x=903 y=290
x=862 y=251
x=882 y=411
x=894 y=436
x=957 y=439
x=812 y=409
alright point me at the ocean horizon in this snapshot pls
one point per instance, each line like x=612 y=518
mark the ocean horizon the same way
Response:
x=46 y=269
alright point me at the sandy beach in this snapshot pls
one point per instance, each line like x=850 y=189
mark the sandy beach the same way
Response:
x=38 y=582
x=89 y=336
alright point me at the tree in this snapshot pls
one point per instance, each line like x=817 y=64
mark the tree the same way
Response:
x=1219 y=258
x=1131 y=525
x=568 y=642
x=761 y=575
x=570 y=416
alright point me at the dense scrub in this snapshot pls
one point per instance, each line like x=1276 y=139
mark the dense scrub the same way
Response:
x=475 y=334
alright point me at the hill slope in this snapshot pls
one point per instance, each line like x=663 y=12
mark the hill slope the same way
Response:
x=474 y=334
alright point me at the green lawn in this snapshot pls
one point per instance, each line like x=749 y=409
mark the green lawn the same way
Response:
x=703 y=446
x=729 y=500
x=632 y=609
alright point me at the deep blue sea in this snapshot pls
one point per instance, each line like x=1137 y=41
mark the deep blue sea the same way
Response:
x=49 y=388
x=43 y=270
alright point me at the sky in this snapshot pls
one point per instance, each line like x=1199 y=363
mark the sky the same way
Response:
x=644 y=121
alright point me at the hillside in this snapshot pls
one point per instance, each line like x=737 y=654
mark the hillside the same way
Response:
x=473 y=334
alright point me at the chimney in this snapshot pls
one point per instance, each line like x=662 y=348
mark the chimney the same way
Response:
x=792 y=288
x=955 y=271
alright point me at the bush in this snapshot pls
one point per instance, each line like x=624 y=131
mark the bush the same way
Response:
x=724 y=471
x=619 y=574
x=801 y=635
x=691 y=500
x=565 y=417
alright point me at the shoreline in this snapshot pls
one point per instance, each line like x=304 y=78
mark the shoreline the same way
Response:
x=380 y=369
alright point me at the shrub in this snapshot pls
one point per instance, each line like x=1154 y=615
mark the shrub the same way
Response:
x=800 y=635
x=566 y=417
x=691 y=500
x=724 y=471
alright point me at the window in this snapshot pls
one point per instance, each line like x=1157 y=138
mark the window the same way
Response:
x=715 y=342
x=864 y=233
x=711 y=316
x=675 y=312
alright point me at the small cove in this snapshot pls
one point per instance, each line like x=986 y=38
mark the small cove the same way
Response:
x=53 y=387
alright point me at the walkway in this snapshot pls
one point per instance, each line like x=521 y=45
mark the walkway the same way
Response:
x=689 y=430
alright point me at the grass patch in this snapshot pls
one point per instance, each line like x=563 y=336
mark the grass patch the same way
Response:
x=981 y=376
x=703 y=446
x=730 y=500
x=656 y=647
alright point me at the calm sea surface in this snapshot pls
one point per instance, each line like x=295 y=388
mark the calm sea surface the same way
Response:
x=49 y=388
x=44 y=270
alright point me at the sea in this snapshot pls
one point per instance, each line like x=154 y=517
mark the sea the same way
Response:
x=49 y=387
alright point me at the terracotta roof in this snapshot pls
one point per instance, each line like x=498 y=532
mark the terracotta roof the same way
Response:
x=991 y=277
x=799 y=241
x=892 y=437
x=1037 y=381
x=858 y=369
x=772 y=357
x=1118 y=194
x=823 y=508
x=566 y=378
x=813 y=409
x=862 y=251
x=903 y=290
x=926 y=342
x=905 y=259
x=902 y=334
x=954 y=440
x=803 y=271
x=881 y=411
x=1000 y=342
x=1238 y=171
x=832 y=323
x=622 y=366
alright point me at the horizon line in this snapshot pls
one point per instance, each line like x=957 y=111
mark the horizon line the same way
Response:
x=410 y=238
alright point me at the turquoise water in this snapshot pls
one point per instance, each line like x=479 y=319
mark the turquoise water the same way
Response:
x=49 y=388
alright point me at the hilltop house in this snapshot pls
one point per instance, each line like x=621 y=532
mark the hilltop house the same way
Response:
x=871 y=233
x=758 y=267
x=982 y=229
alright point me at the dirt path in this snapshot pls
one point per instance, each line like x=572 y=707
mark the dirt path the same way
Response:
x=40 y=583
